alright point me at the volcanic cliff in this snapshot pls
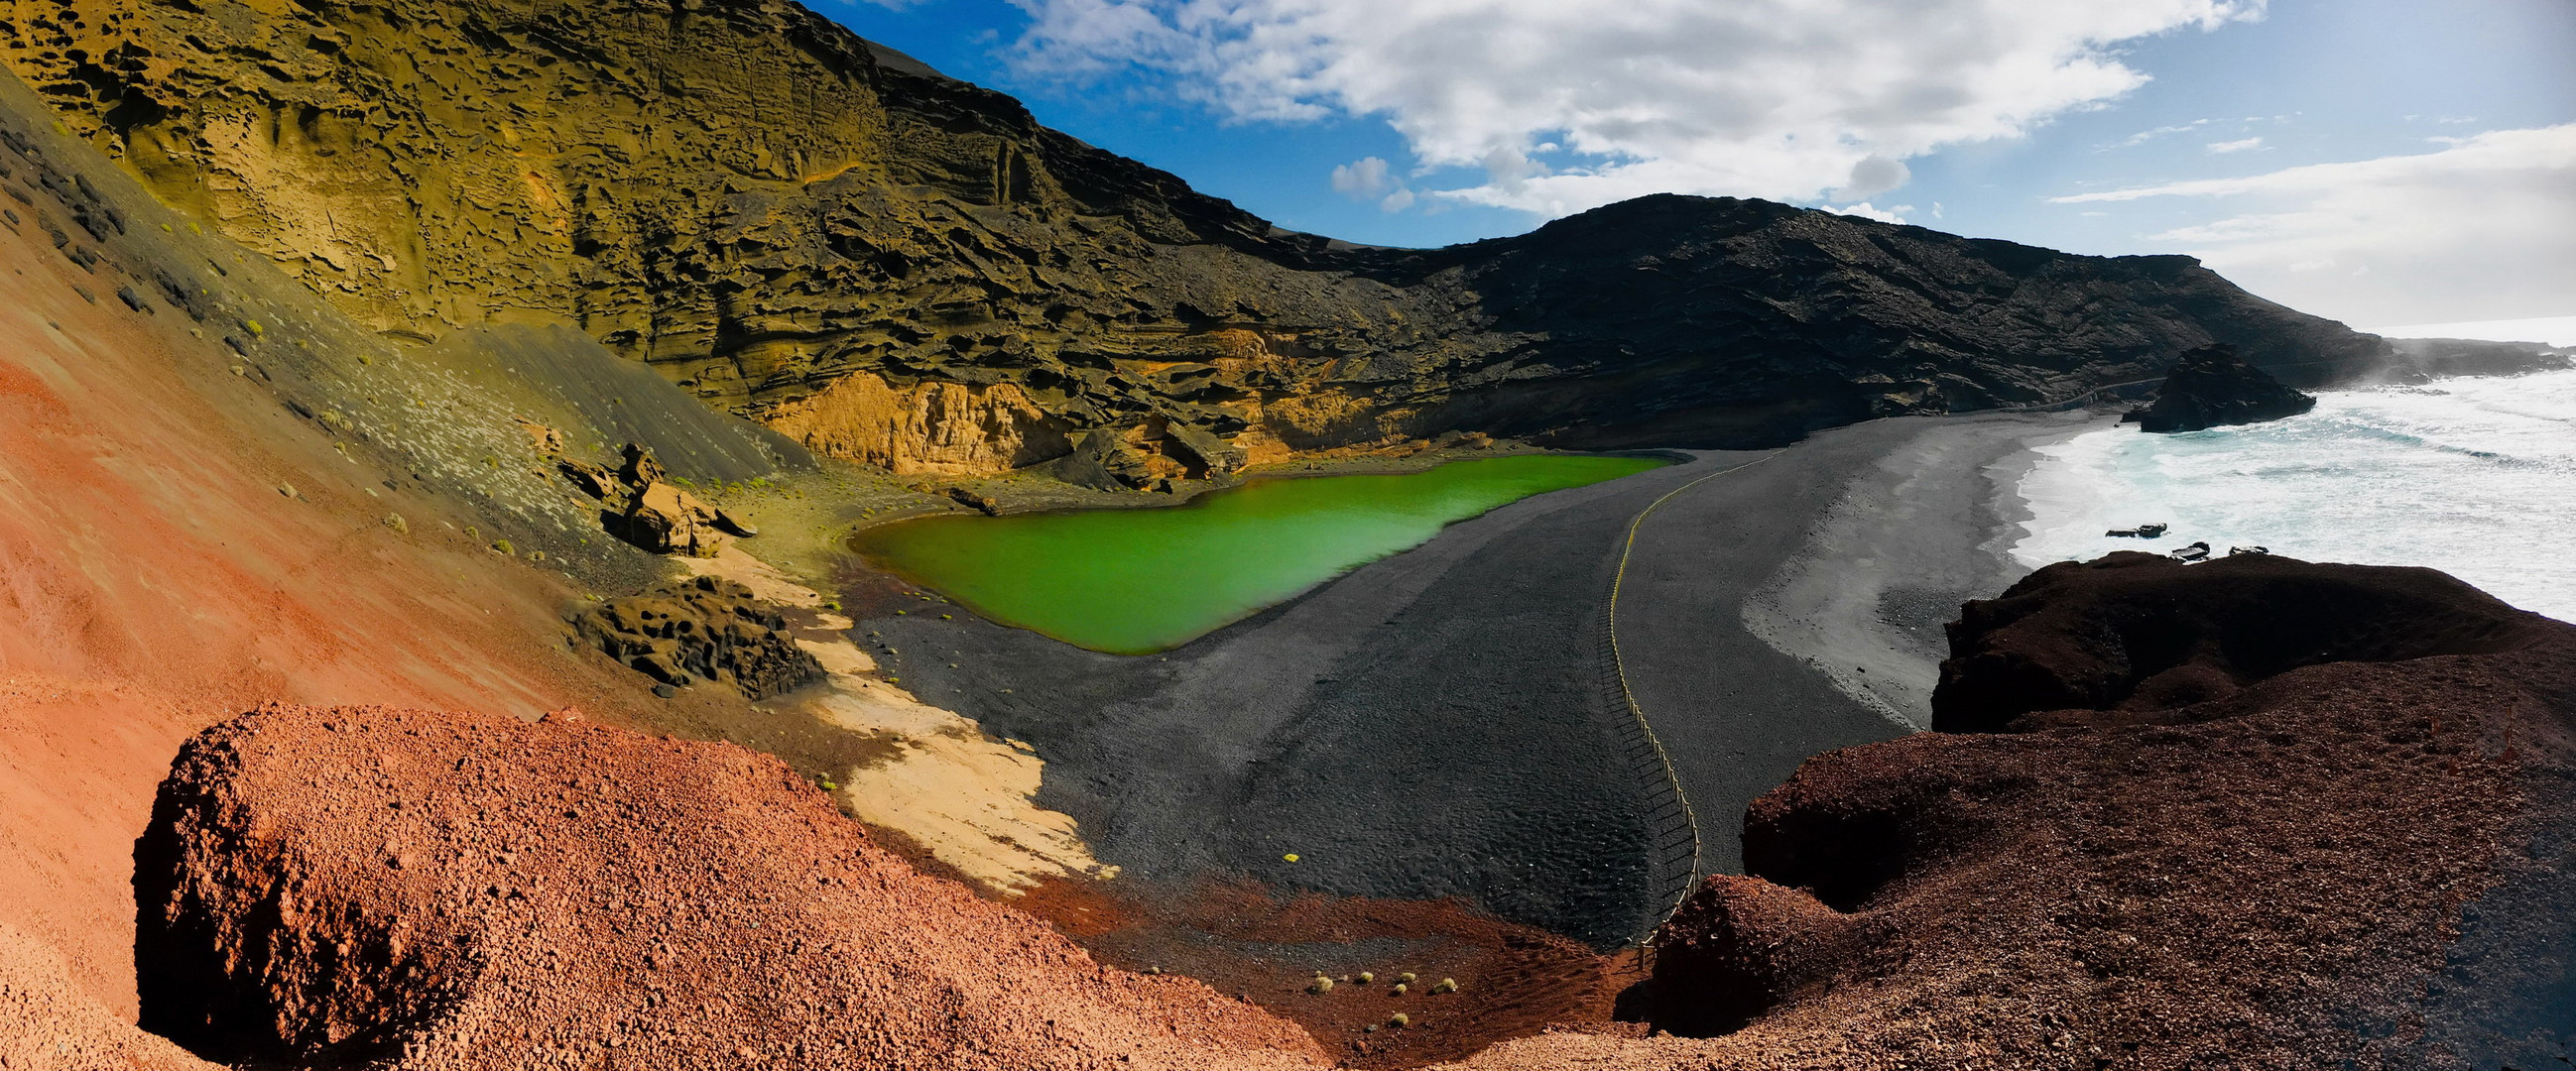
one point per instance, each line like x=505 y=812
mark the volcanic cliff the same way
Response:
x=896 y=267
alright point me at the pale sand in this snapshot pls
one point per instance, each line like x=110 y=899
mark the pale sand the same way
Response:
x=960 y=794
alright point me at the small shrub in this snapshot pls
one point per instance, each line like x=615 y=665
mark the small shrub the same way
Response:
x=1446 y=985
x=1399 y=1020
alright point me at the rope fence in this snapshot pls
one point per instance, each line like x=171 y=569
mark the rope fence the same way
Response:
x=1676 y=847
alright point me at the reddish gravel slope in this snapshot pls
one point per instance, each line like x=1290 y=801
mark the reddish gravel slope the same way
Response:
x=443 y=891
x=2310 y=862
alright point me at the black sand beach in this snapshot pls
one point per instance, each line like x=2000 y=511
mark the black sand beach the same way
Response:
x=1447 y=722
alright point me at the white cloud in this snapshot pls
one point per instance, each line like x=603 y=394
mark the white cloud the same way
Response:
x=2144 y=136
x=1361 y=179
x=1786 y=99
x=2239 y=145
x=1866 y=210
x=2483 y=228
x=1397 y=201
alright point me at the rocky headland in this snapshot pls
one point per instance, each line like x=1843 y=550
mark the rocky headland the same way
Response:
x=2258 y=811
x=2212 y=387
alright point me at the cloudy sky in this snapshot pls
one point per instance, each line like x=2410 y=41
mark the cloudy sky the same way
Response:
x=2382 y=162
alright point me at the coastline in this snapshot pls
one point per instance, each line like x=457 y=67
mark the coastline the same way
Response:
x=1927 y=527
x=1445 y=721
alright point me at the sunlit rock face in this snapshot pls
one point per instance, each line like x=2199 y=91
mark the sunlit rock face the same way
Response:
x=901 y=268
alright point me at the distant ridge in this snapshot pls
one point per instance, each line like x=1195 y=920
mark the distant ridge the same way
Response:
x=896 y=267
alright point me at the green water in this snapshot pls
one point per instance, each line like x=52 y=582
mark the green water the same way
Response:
x=1135 y=581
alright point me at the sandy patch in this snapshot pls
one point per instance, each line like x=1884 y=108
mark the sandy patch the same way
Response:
x=766 y=581
x=962 y=795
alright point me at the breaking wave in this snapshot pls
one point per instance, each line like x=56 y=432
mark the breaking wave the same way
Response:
x=2475 y=477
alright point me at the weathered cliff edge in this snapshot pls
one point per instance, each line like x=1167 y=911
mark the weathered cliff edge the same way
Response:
x=2212 y=387
x=2297 y=814
x=2247 y=813
x=900 y=268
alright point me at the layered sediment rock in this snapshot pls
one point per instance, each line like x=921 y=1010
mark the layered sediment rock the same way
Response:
x=2247 y=813
x=2213 y=387
x=405 y=889
x=900 y=268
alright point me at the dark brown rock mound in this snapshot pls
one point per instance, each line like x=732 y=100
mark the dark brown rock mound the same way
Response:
x=405 y=889
x=2212 y=386
x=2142 y=632
x=702 y=629
x=2348 y=860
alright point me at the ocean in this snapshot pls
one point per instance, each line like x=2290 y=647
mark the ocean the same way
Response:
x=2475 y=477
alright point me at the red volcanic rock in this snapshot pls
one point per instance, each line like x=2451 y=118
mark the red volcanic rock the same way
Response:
x=2357 y=854
x=47 y=1021
x=408 y=889
x=2135 y=632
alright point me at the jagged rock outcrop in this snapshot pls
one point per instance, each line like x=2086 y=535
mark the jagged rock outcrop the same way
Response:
x=901 y=268
x=666 y=520
x=2212 y=387
x=2351 y=852
x=650 y=512
x=705 y=628
x=414 y=890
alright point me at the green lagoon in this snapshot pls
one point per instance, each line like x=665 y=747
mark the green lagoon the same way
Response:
x=1136 y=581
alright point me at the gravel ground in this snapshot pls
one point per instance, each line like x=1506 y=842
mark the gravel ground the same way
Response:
x=1445 y=722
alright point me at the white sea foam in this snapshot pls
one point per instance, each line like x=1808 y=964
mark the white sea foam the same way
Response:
x=2475 y=477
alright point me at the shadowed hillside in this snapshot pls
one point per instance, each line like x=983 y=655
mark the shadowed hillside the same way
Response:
x=896 y=267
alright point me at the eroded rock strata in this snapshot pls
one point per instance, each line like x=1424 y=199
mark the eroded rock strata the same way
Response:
x=903 y=269
x=2258 y=812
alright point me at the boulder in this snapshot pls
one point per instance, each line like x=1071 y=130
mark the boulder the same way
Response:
x=666 y=520
x=704 y=629
x=983 y=503
x=639 y=469
x=1205 y=455
x=593 y=480
x=1104 y=460
x=2212 y=386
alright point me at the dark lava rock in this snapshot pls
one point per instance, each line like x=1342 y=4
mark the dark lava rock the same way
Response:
x=983 y=503
x=2212 y=386
x=2251 y=813
x=2129 y=632
x=706 y=628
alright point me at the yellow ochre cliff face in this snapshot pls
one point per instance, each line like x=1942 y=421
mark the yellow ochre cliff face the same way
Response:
x=896 y=267
x=716 y=188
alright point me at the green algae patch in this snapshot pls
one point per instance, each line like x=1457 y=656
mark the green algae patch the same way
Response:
x=1136 y=581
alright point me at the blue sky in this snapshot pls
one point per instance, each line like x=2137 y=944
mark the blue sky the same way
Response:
x=2376 y=161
